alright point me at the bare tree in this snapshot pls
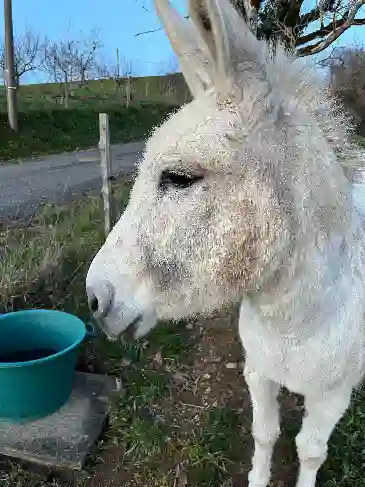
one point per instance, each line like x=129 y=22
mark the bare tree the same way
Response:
x=28 y=50
x=85 y=52
x=66 y=61
x=60 y=64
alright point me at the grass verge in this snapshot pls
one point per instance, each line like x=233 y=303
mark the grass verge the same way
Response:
x=184 y=419
x=51 y=131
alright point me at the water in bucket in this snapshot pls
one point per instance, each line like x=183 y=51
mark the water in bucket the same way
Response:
x=27 y=355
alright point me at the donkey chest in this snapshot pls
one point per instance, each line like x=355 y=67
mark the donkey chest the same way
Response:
x=286 y=362
x=302 y=366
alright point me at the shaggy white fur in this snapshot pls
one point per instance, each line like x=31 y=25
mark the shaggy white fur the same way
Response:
x=242 y=197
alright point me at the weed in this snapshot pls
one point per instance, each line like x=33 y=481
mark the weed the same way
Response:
x=346 y=457
x=217 y=445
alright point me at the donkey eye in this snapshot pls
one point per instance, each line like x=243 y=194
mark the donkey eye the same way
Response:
x=177 y=179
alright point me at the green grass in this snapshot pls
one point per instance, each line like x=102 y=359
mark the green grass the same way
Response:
x=216 y=446
x=157 y=438
x=345 y=466
x=33 y=254
x=51 y=131
x=360 y=140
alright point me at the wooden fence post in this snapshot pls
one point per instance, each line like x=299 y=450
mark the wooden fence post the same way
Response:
x=128 y=90
x=104 y=146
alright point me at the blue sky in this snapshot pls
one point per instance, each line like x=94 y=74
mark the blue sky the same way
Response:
x=117 y=21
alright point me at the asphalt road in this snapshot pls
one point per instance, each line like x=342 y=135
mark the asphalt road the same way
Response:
x=53 y=178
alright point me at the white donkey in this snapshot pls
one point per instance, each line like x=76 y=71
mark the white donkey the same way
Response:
x=241 y=197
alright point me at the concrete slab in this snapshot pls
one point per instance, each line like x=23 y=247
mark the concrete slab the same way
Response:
x=65 y=438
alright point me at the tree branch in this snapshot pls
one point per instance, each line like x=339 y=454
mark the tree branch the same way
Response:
x=154 y=30
x=147 y=32
x=309 y=17
x=336 y=32
x=144 y=7
x=327 y=29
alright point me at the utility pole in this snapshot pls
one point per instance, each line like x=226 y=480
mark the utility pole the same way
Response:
x=117 y=80
x=11 y=86
x=118 y=65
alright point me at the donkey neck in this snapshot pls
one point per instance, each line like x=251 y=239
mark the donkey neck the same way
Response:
x=315 y=289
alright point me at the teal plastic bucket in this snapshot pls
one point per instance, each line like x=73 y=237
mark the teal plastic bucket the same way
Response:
x=38 y=355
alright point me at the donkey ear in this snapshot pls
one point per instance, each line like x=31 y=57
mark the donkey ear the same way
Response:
x=228 y=38
x=208 y=17
x=195 y=60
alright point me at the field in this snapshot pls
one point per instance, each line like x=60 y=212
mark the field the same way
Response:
x=170 y=89
x=185 y=417
x=46 y=126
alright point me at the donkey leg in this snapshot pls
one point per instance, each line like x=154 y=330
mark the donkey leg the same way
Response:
x=265 y=426
x=322 y=415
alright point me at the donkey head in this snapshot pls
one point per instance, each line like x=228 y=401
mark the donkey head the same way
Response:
x=227 y=183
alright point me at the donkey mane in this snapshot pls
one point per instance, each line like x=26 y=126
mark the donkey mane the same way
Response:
x=309 y=90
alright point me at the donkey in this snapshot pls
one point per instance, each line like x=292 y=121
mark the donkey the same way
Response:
x=242 y=197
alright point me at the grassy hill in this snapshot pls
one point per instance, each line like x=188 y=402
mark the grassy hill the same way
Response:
x=169 y=89
x=46 y=126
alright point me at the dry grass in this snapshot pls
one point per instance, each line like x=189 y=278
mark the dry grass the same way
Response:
x=26 y=254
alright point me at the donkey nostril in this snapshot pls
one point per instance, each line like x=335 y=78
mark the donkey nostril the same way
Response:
x=100 y=298
x=94 y=304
